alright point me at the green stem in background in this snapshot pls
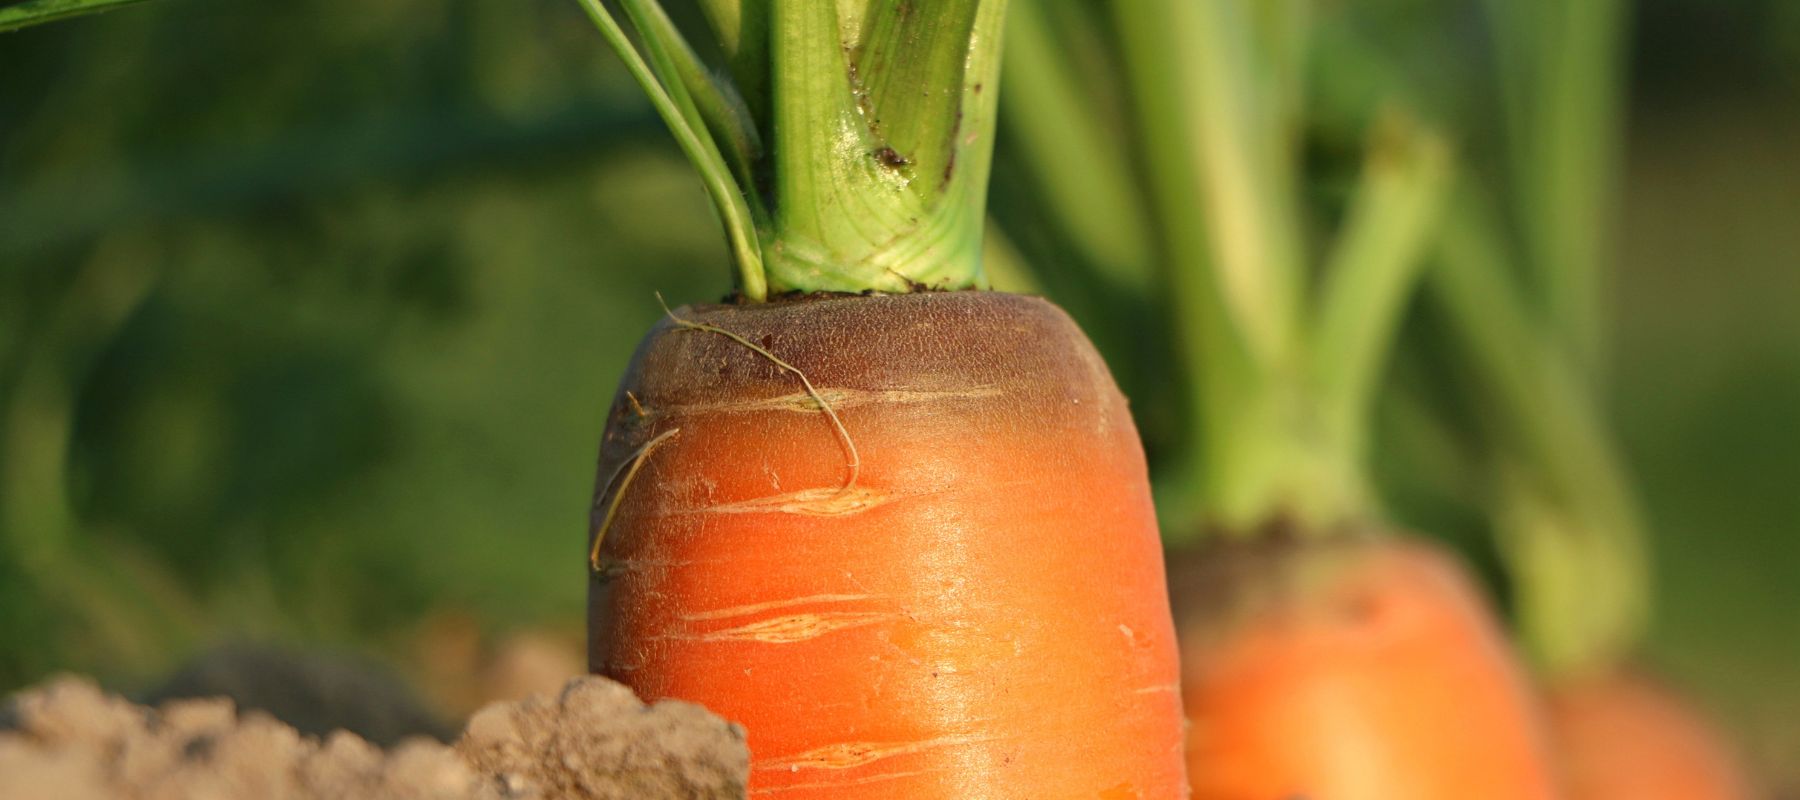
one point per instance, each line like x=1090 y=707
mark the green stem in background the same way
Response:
x=1215 y=367
x=1247 y=204
x=1560 y=74
x=33 y=12
x=1077 y=159
x=1005 y=266
x=1283 y=31
x=877 y=135
x=1371 y=273
x=1569 y=524
x=1281 y=389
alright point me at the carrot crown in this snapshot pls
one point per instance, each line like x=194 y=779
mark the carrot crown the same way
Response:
x=845 y=145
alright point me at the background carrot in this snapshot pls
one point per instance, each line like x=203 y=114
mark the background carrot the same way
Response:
x=1521 y=281
x=1624 y=735
x=1570 y=531
x=1367 y=667
x=1323 y=655
x=904 y=536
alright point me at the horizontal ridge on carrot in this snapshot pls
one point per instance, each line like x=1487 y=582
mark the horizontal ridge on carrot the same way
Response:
x=898 y=527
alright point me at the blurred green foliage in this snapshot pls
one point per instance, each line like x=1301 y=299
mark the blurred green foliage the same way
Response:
x=310 y=311
x=310 y=316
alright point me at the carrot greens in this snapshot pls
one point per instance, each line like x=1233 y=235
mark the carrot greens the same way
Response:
x=1282 y=349
x=849 y=150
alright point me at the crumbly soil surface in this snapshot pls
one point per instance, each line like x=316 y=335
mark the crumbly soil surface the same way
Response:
x=68 y=740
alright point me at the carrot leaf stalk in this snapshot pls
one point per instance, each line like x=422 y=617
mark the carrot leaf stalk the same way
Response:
x=1521 y=281
x=1559 y=70
x=1568 y=521
x=683 y=118
x=1282 y=354
x=1368 y=275
x=849 y=150
x=1080 y=161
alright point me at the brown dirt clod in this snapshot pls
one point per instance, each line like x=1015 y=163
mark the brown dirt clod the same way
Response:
x=596 y=740
x=71 y=741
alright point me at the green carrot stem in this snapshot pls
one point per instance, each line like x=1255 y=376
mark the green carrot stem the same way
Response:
x=1215 y=367
x=1569 y=522
x=873 y=127
x=709 y=101
x=1078 y=160
x=1371 y=273
x=684 y=121
x=1280 y=390
x=1560 y=74
x=1246 y=202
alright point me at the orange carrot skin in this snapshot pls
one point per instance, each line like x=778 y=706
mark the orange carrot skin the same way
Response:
x=1624 y=736
x=982 y=615
x=1354 y=669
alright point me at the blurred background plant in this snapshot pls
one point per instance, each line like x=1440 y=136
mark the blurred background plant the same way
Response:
x=309 y=313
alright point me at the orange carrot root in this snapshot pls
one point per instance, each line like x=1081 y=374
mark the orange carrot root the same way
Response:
x=980 y=614
x=1623 y=735
x=1350 y=669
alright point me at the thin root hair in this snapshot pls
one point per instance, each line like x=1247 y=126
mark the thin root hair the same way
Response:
x=623 y=477
x=855 y=459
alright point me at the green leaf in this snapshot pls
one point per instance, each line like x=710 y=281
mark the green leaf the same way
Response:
x=33 y=12
x=677 y=110
x=1080 y=161
x=706 y=102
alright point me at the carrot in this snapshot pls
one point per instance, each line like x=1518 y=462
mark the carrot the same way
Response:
x=903 y=535
x=1350 y=668
x=979 y=613
x=1623 y=735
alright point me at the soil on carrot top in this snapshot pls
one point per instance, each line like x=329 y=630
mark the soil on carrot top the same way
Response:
x=68 y=740
x=737 y=298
